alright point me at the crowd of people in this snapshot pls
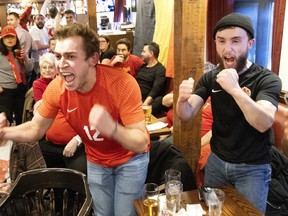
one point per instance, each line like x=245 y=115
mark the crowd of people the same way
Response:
x=88 y=108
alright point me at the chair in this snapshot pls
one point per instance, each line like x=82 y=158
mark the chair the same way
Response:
x=33 y=193
x=28 y=106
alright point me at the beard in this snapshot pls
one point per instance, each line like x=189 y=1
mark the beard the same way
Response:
x=40 y=25
x=240 y=62
x=145 y=59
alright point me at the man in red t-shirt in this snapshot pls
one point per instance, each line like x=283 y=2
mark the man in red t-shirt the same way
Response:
x=103 y=105
x=124 y=59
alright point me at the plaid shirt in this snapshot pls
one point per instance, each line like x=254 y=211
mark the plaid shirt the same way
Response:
x=24 y=157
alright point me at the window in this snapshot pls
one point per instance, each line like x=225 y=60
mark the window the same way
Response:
x=261 y=14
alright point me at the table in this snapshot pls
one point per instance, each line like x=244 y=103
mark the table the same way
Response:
x=162 y=131
x=235 y=203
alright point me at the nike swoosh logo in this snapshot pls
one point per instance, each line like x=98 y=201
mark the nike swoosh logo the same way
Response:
x=71 y=110
x=215 y=91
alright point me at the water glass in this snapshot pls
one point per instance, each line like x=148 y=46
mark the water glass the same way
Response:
x=172 y=174
x=215 y=200
x=173 y=191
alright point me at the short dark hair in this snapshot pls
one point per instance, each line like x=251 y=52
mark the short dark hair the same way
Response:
x=14 y=14
x=89 y=36
x=126 y=42
x=69 y=11
x=53 y=11
x=153 y=47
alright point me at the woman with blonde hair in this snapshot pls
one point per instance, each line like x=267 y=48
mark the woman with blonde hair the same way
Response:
x=47 y=74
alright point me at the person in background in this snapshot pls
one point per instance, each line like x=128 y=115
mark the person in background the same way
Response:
x=15 y=157
x=12 y=69
x=50 y=20
x=25 y=16
x=60 y=149
x=52 y=44
x=41 y=38
x=124 y=59
x=244 y=99
x=106 y=51
x=26 y=41
x=151 y=78
x=70 y=17
x=47 y=74
x=103 y=105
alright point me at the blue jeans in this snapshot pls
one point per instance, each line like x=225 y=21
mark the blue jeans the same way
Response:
x=113 y=190
x=252 y=181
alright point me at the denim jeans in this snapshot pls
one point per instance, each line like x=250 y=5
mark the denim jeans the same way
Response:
x=252 y=181
x=113 y=190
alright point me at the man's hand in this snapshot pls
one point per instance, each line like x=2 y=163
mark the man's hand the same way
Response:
x=118 y=58
x=228 y=80
x=70 y=148
x=102 y=120
x=185 y=90
x=4 y=188
x=3 y=123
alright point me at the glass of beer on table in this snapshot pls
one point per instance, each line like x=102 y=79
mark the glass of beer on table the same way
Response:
x=151 y=199
x=147 y=109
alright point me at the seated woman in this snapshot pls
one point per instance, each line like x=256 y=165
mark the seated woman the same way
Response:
x=16 y=157
x=61 y=147
x=106 y=51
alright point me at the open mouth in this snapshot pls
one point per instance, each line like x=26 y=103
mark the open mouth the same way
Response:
x=229 y=61
x=68 y=77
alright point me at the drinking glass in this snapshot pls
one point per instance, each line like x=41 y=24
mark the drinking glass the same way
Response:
x=172 y=174
x=215 y=202
x=173 y=191
x=147 y=109
x=151 y=199
x=17 y=53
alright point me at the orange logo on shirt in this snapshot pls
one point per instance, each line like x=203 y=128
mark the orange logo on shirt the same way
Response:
x=247 y=91
x=127 y=69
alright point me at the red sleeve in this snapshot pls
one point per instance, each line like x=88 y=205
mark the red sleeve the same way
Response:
x=25 y=16
x=37 y=91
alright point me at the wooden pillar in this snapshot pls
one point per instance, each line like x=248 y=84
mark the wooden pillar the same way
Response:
x=189 y=43
x=91 y=10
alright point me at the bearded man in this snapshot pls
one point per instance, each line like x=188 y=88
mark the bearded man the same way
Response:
x=41 y=38
x=244 y=99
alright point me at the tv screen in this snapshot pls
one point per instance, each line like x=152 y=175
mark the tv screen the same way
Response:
x=105 y=5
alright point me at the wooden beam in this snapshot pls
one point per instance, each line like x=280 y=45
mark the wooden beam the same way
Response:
x=91 y=11
x=189 y=39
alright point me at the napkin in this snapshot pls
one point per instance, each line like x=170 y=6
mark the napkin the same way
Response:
x=195 y=210
x=192 y=209
x=156 y=126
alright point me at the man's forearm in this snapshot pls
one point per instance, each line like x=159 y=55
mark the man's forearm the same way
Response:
x=259 y=115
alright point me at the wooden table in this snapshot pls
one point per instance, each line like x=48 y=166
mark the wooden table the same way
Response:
x=235 y=203
x=162 y=131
